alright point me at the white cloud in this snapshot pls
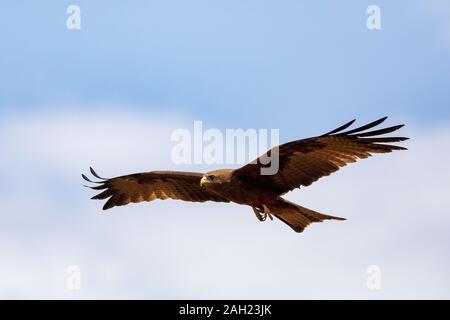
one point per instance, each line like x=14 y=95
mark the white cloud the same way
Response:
x=396 y=205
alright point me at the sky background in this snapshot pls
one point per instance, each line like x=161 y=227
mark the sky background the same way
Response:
x=110 y=95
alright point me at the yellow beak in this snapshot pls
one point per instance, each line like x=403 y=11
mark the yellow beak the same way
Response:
x=203 y=180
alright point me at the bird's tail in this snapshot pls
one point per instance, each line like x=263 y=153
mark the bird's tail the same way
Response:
x=297 y=217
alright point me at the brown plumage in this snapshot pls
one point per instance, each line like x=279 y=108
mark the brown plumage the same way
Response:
x=301 y=163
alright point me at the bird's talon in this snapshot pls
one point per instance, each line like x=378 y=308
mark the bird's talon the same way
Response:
x=259 y=215
x=267 y=212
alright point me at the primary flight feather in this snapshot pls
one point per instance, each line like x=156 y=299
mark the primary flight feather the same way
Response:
x=301 y=162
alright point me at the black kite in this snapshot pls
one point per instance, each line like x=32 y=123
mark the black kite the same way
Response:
x=301 y=163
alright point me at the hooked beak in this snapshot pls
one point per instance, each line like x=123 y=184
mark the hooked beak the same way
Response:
x=203 y=180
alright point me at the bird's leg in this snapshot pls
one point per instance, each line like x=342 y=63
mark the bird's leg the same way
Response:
x=259 y=214
x=267 y=212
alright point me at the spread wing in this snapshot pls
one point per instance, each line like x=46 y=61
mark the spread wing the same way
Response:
x=149 y=186
x=304 y=161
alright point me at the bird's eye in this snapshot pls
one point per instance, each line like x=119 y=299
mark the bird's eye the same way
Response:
x=211 y=177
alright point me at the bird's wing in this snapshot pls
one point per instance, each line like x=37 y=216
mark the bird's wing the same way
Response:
x=149 y=186
x=304 y=161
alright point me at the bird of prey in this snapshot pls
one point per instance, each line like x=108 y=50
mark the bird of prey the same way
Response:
x=301 y=162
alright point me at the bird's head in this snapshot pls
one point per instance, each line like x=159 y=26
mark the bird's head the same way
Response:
x=216 y=177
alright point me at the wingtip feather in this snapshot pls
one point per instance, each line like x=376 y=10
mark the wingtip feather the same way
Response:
x=365 y=127
x=87 y=179
x=343 y=127
x=95 y=174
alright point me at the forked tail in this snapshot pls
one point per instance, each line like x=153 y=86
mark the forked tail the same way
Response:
x=297 y=217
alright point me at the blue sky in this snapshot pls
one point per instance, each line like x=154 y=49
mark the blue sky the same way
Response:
x=275 y=64
x=110 y=95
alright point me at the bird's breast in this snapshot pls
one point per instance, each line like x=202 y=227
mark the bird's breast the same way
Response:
x=242 y=193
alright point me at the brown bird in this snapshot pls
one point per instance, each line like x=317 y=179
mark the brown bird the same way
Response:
x=301 y=162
